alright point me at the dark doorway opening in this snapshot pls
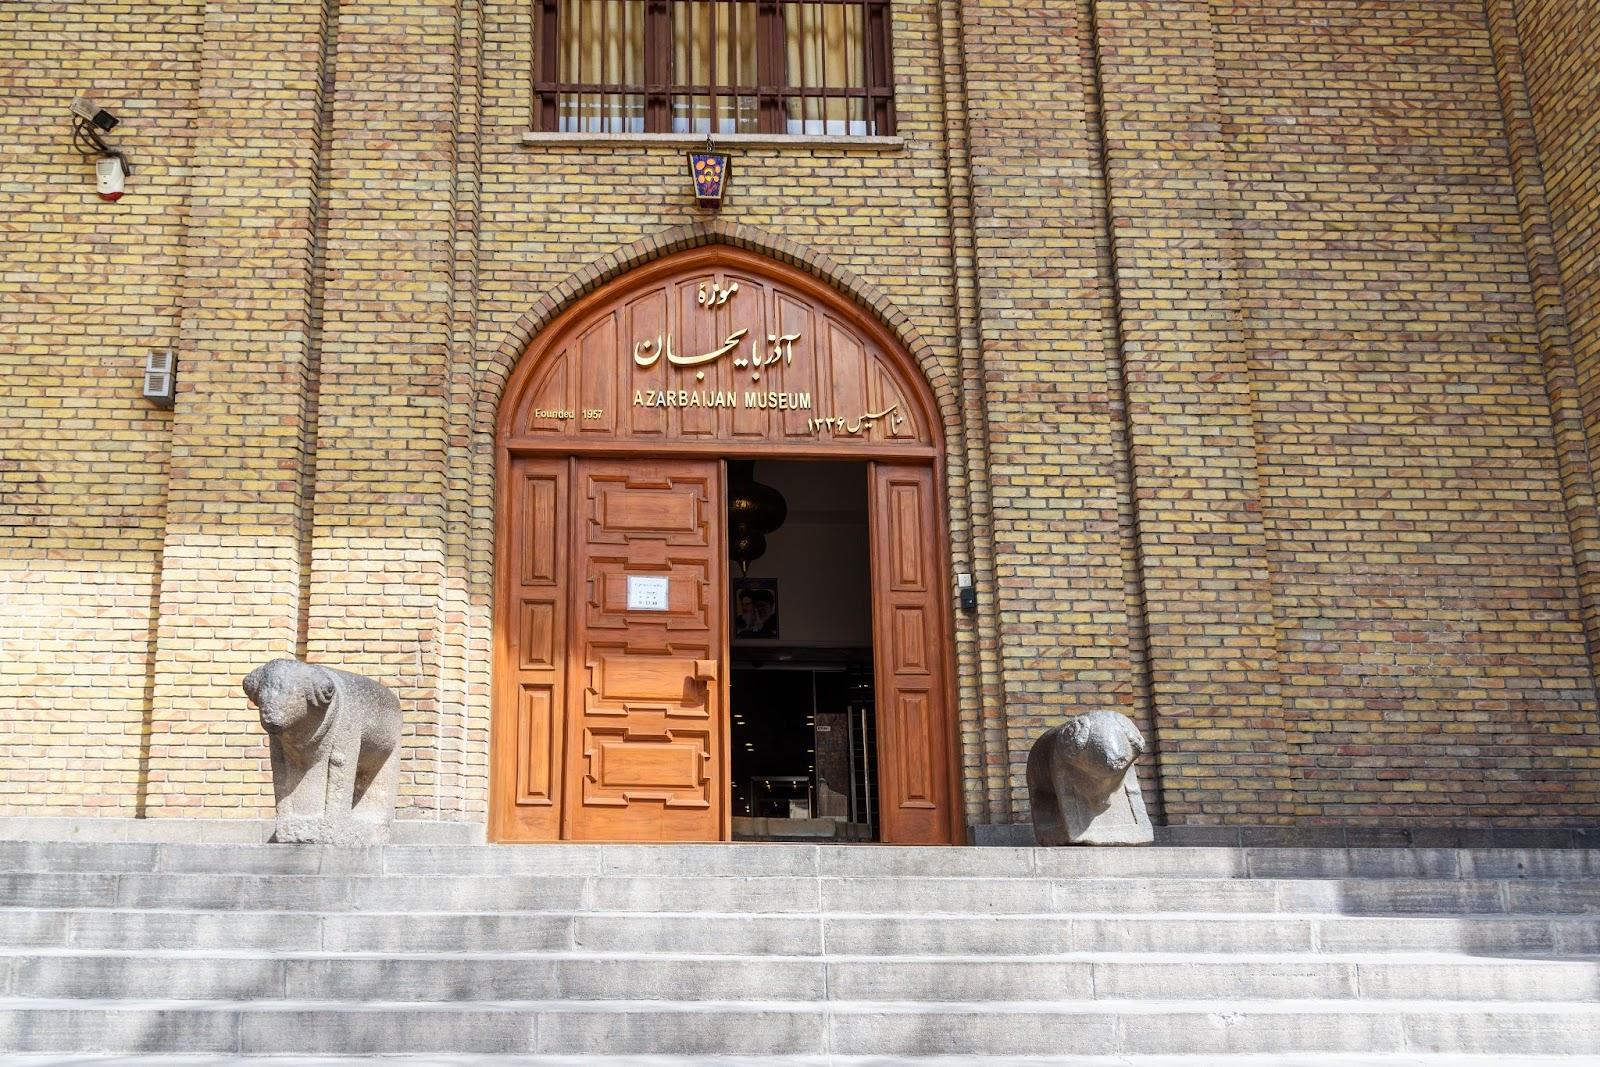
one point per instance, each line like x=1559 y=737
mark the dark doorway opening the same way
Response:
x=802 y=721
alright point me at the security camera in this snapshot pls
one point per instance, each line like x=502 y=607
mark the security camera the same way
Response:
x=93 y=113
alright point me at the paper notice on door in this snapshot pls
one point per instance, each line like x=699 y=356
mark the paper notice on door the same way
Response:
x=647 y=592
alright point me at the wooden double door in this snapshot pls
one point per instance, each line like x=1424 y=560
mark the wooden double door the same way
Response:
x=611 y=676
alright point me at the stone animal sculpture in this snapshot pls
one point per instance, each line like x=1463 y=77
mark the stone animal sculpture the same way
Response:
x=1080 y=786
x=335 y=740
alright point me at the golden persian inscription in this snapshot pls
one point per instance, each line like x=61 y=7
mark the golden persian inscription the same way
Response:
x=863 y=423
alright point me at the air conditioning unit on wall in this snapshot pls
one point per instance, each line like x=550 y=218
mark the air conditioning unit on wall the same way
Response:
x=161 y=378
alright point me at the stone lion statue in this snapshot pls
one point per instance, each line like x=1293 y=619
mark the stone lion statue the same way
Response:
x=1079 y=785
x=335 y=740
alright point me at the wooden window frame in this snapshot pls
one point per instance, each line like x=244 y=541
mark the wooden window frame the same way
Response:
x=772 y=93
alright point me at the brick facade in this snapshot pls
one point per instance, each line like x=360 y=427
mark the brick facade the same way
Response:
x=231 y=569
x=1265 y=335
x=85 y=292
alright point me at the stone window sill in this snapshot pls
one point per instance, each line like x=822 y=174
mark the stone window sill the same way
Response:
x=728 y=140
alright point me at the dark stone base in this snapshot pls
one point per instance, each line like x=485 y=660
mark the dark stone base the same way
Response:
x=1016 y=835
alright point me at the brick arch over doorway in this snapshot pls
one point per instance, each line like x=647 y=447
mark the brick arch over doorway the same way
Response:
x=611 y=629
x=779 y=250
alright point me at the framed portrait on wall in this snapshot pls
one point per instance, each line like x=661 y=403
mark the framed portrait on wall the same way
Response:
x=755 y=608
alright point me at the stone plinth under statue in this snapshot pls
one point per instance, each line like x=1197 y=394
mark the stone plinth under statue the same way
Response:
x=335 y=740
x=1081 y=786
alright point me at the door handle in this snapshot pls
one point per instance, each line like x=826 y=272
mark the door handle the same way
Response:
x=706 y=670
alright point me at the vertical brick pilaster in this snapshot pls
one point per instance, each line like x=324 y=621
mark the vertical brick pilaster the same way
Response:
x=1051 y=420
x=379 y=528
x=466 y=656
x=987 y=762
x=230 y=580
x=1558 y=41
x=1203 y=545
x=1574 y=459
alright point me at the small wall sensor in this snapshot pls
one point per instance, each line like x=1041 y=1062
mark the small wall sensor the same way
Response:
x=161 y=378
x=966 y=592
x=109 y=173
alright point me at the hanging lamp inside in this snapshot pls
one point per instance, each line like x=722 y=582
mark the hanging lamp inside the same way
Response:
x=754 y=510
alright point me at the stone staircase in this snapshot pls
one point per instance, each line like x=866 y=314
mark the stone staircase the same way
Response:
x=208 y=953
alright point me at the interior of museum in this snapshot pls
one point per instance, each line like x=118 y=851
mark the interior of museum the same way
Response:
x=802 y=728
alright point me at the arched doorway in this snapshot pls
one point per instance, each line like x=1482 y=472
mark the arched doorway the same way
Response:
x=612 y=608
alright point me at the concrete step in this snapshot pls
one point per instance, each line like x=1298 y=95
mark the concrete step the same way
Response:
x=794 y=935
x=1339 y=1059
x=583 y=976
x=1200 y=932
x=801 y=860
x=611 y=1028
x=875 y=895
x=756 y=950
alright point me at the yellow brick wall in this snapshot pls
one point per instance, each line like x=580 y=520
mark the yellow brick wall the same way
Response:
x=1194 y=446
x=1234 y=311
x=87 y=289
x=1432 y=658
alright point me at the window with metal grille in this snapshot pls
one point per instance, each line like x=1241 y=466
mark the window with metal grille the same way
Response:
x=713 y=67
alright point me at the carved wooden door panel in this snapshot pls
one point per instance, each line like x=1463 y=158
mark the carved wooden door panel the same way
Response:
x=908 y=604
x=531 y=661
x=646 y=744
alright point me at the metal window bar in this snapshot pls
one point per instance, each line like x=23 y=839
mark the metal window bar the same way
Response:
x=807 y=66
